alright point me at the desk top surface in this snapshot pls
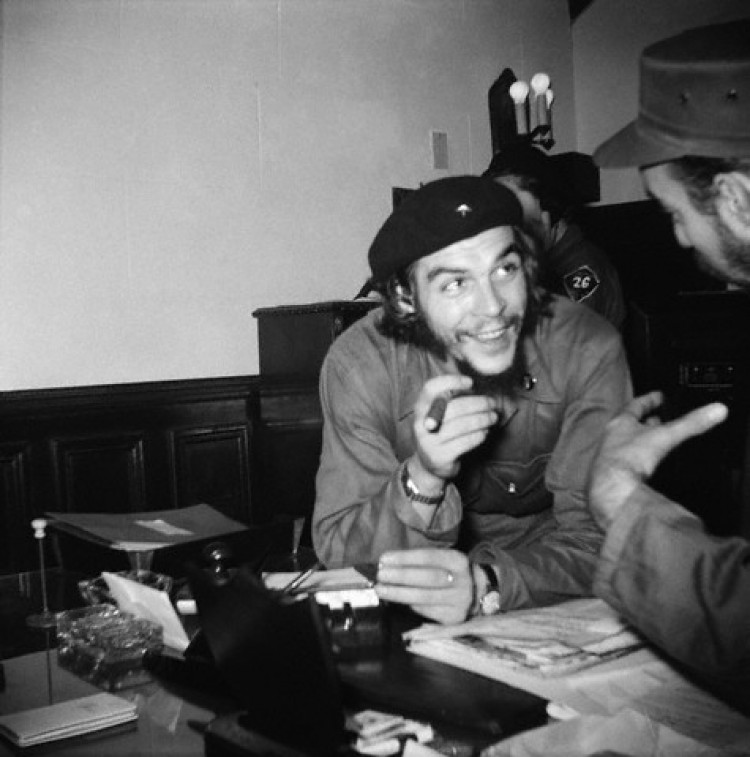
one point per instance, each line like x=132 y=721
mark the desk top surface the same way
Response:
x=35 y=680
x=461 y=705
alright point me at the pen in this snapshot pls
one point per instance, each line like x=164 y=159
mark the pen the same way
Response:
x=298 y=580
x=434 y=418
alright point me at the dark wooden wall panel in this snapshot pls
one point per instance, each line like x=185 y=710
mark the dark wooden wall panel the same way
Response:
x=14 y=512
x=213 y=464
x=100 y=473
x=290 y=426
x=124 y=448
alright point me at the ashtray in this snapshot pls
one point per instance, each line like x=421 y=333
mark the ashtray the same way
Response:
x=105 y=646
x=95 y=591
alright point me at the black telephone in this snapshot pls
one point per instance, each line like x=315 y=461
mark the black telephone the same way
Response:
x=272 y=653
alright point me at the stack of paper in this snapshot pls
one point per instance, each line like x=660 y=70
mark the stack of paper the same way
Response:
x=548 y=641
x=383 y=734
x=67 y=719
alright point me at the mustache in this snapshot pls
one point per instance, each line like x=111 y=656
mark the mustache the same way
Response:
x=513 y=321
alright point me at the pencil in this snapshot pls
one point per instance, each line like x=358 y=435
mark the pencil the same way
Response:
x=299 y=579
x=434 y=418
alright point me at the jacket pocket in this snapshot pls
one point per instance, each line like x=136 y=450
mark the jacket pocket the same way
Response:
x=511 y=488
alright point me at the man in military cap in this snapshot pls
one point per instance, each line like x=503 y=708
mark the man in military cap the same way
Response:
x=686 y=590
x=480 y=505
x=570 y=264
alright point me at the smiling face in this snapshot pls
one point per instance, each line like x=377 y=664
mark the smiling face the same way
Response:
x=473 y=297
x=718 y=250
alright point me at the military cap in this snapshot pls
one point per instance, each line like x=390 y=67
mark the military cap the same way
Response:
x=694 y=100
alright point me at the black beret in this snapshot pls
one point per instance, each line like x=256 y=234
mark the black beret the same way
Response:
x=437 y=215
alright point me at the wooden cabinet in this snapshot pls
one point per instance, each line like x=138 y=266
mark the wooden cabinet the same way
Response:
x=294 y=339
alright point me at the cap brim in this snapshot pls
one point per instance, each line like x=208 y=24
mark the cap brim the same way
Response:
x=632 y=146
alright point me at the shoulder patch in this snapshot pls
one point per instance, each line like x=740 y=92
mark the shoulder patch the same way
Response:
x=581 y=283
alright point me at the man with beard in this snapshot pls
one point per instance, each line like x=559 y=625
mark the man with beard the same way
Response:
x=685 y=590
x=482 y=507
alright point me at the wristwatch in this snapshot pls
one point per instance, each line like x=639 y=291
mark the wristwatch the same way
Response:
x=489 y=602
x=414 y=494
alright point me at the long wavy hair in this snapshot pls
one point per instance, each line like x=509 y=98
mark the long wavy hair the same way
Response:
x=409 y=326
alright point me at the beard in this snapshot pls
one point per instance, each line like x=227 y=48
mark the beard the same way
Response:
x=729 y=262
x=506 y=382
x=734 y=253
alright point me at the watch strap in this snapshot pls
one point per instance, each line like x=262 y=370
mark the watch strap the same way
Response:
x=489 y=602
x=414 y=494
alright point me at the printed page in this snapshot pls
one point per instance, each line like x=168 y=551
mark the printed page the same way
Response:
x=554 y=640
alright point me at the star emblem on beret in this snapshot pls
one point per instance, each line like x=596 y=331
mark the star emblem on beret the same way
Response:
x=463 y=210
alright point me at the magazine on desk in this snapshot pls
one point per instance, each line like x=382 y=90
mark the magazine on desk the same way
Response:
x=546 y=641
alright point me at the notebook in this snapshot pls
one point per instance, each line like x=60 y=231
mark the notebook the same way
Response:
x=67 y=719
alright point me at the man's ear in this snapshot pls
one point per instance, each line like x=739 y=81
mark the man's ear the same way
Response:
x=733 y=201
x=405 y=300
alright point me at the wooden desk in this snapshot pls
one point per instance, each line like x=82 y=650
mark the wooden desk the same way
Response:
x=35 y=680
x=460 y=705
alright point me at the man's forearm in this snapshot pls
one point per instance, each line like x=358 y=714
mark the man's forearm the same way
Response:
x=387 y=520
x=682 y=588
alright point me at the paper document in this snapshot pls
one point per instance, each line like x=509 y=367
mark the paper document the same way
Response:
x=548 y=641
x=321 y=580
x=144 y=531
x=624 y=734
x=151 y=604
x=695 y=713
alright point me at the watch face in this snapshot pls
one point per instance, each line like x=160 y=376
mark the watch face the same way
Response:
x=491 y=603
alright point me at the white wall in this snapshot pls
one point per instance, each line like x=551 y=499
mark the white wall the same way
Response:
x=607 y=42
x=168 y=166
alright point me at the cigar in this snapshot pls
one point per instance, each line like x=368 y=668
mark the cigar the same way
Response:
x=434 y=418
